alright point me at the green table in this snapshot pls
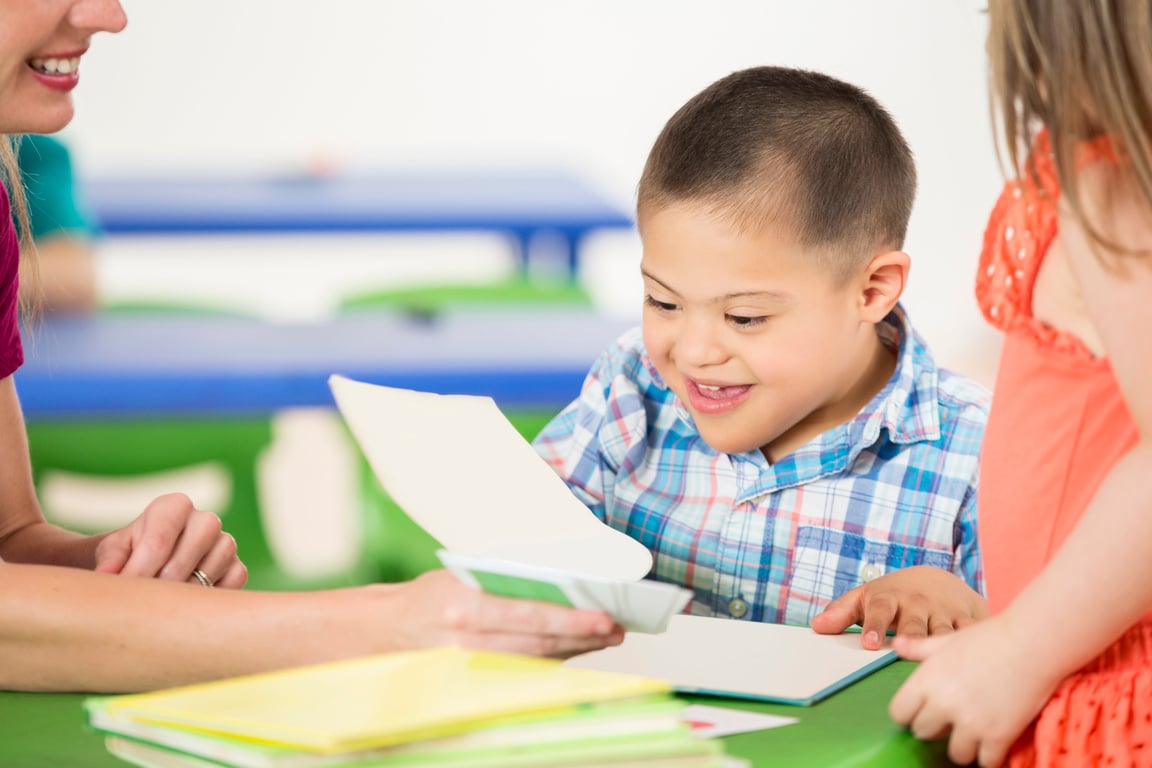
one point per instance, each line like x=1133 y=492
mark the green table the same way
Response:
x=851 y=728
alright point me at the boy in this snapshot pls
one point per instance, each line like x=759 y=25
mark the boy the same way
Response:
x=776 y=433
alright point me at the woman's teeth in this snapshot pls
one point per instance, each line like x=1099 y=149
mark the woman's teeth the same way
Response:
x=56 y=66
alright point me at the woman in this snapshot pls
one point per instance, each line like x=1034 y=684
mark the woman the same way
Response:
x=128 y=610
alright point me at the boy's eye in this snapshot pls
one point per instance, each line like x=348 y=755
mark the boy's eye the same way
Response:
x=661 y=305
x=741 y=321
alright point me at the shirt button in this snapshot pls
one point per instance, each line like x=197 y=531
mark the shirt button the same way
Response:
x=737 y=607
x=870 y=572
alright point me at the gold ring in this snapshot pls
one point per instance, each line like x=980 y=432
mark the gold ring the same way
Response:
x=202 y=577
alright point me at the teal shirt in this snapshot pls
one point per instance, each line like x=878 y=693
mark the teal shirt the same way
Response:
x=54 y=201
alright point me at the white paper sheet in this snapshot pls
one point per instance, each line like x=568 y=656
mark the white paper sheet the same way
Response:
x=742 y=659
x=463 y=473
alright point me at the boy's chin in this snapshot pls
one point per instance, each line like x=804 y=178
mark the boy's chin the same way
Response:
x=732 y=444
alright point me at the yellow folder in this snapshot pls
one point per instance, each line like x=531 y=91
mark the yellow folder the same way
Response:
x=380 y=700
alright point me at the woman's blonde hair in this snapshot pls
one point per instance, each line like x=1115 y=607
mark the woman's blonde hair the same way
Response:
x=10 y=176
x=1079 y=69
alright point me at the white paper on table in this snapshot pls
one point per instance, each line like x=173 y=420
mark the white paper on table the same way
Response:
x=742 y=659
x=463 y=473
x=708 y=722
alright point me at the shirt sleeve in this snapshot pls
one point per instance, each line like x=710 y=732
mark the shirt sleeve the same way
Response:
x=570 y=443
x=11 y=350
x=968 y=562
x=55 y=202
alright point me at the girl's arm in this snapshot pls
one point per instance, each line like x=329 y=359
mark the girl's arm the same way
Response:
x=1100 y=581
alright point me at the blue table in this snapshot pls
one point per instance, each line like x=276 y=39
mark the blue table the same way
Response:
x=140 y=365
x=521 y=204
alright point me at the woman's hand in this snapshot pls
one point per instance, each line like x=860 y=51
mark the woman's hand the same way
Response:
x=439 y=610
x=171 y=540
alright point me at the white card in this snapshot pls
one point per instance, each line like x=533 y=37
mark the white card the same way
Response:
x=709 y=722
x=463 y=473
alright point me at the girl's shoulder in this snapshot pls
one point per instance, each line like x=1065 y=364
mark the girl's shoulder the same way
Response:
x=1020 y=230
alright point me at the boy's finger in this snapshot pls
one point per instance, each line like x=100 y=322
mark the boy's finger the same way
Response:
x=941 y=625
x=839 y=614
x=912 y=624
x=879 y=613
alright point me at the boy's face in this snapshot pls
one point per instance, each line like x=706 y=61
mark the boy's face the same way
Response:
x=758 y=341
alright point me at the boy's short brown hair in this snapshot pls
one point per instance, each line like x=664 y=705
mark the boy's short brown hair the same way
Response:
x=791 y=148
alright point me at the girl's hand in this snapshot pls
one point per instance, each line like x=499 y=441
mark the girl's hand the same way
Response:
x=169 y=541
x=980 y=687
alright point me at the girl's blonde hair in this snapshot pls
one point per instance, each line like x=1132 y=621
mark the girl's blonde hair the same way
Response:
x=30 y=306
x=1079 y=69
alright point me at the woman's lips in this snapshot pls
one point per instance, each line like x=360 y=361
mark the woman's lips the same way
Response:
x=59 y=73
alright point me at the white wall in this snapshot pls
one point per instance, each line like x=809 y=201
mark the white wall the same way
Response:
x=200 y=85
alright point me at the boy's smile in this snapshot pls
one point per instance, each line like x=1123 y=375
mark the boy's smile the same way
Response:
x=714 y=398
x=753 y=333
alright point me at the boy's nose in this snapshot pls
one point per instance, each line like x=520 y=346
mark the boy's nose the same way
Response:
x=698 y=344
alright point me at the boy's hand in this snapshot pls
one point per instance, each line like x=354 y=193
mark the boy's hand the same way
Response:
x=916 y=602
x=169 y=540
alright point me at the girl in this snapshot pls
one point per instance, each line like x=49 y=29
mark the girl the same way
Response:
x=67 y=628
x=1062 y=673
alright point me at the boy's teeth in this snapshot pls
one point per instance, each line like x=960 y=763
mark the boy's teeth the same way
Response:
x=56 y=66
x=709 y=387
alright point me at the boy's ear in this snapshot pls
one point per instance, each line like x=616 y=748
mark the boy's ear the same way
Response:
x=882 y=283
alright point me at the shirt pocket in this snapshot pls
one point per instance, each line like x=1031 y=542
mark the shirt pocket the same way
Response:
x=829 y=562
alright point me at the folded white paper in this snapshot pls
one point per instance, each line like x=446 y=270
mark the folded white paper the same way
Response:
x=639 y=606
x=462 y=472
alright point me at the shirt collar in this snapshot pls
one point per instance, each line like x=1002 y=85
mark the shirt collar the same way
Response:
x=907 y=406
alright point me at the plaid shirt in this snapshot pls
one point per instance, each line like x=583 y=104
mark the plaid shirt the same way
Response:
x=892 y=488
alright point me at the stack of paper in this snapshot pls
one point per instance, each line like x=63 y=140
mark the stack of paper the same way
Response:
x=515 y=529
x=437 y=708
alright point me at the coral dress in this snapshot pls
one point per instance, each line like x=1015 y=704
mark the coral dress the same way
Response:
x=1057 y=426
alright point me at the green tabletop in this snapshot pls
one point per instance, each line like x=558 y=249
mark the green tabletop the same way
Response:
x=850 y=728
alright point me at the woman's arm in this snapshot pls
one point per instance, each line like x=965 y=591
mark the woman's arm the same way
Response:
x=24 y=534
x=64 y=629
x=169 y=540
x=71 y=629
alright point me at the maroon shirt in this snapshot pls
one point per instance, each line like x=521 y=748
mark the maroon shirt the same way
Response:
x=11 y=350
